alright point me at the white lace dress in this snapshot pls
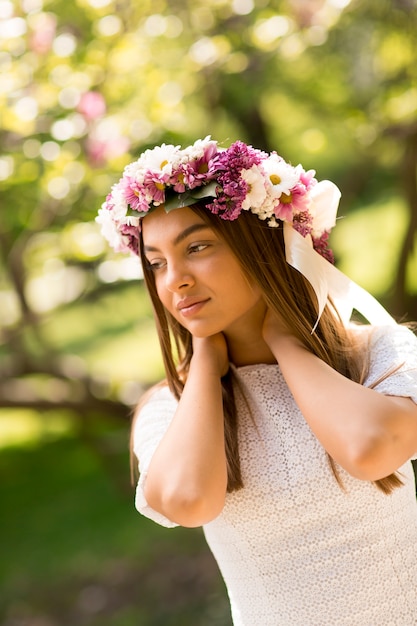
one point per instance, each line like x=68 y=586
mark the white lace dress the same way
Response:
x=293 y=547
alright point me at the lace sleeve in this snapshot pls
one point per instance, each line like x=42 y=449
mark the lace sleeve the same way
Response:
x=394 y=346
x=149 y=428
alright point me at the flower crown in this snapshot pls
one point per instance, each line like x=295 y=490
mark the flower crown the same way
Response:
x=230 y=181
x=240 y=178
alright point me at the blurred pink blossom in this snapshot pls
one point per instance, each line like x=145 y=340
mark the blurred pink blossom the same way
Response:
x=100 y=151
x=92 y=105
x=43 y=34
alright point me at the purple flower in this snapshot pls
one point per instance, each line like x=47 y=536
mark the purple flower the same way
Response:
x=321 y=245
x=303 y=223
x=232 y=187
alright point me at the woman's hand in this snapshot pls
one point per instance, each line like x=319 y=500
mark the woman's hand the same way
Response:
x=213 y=350
x=369 y=434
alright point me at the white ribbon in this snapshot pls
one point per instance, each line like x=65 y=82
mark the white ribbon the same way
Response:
x=324 y=277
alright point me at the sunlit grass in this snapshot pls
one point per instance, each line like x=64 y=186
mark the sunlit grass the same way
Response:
x=71 y=535
x=21 y=427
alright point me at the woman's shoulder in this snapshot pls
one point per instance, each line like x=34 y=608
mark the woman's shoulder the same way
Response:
x=386 y=345
x=397 y=338
x=152 y=416
x=392 y=359
x=158 y=395
x=386 y=337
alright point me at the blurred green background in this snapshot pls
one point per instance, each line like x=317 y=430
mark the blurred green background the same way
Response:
x=85 y=86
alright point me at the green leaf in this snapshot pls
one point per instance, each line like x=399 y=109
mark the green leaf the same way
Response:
x=181 y=200
x=208 y=191
x=133 y=213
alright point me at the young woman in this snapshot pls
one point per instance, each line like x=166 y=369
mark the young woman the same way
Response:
x=283 y=428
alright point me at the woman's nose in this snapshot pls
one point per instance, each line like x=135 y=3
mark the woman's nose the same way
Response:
x=177 y=278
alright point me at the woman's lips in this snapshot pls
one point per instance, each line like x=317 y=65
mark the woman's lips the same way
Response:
x=191 y=306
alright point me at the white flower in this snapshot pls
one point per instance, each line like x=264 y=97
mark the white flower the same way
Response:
x=135 y=170
x=196 y=151
x=280 y=175
x=132 y=220
x=109 y=229
x=160 y=159
x=256 y=188
x=119 y=204
x=266 y=210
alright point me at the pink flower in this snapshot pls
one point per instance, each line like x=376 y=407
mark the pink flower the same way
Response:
x=154 y=184
x=283 y=211
x=307 y=178
x=134 y=194
x=297 y=201
x=131 y=235
x=196 y=172
x=109 y=202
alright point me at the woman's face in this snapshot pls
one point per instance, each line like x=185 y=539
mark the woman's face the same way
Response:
x=198 y=279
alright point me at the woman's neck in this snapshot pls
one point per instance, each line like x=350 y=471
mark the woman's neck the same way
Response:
x=244 y=339
x=248 y=349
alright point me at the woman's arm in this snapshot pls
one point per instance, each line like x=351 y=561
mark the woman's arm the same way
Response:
x=187 y=477
x=369 y=434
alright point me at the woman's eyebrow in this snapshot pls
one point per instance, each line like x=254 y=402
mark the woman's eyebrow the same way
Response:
x=181 y=236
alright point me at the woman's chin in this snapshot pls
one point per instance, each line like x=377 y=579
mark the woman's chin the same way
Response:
x=203 y=335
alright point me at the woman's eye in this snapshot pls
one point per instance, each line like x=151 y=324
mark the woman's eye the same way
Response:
x=155 y=265
x=197 y=247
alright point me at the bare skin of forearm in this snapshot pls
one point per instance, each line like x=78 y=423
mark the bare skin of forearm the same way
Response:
x=187 y=477
x=369 y=434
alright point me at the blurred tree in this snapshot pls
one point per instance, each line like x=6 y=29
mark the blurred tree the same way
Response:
x=87 y=85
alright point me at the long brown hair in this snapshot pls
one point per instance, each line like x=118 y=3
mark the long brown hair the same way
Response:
x=260 y=251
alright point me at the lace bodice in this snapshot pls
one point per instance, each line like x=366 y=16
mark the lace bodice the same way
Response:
x=293 y=547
